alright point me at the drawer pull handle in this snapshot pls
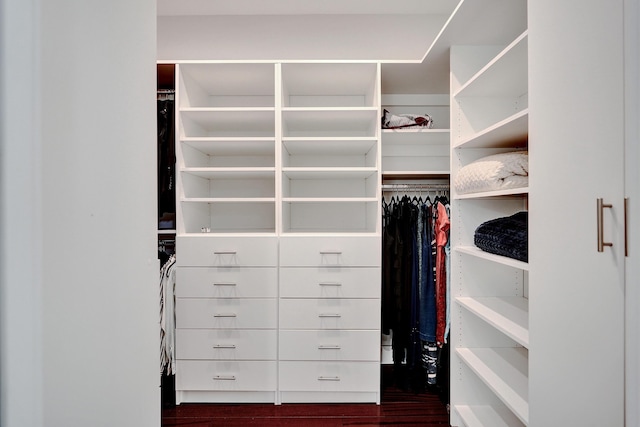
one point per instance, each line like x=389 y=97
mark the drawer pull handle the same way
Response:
x=225 y=346
x=330 y=284
x=328 y=347
x=224 y=284
x=225 y=252
x=329 y=315
x=328 y=378
x=331 y=252
x=224 y=378
x=224 y=315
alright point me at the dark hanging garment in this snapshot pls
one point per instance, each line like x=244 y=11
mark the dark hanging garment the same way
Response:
x=166 y=165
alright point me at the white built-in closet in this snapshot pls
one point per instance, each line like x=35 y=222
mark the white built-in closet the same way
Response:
x=278 y=232
x=278 y=236
x=540 y=343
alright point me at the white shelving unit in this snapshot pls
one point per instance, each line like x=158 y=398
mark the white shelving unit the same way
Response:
x=417 y=152
x=226 y=155
x=330 y=147
x=226 y=282
x=490 y=306
x=279 y=164
x=330 y=245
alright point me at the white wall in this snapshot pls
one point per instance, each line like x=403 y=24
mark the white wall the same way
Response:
x=20 y=263
x=306 y=37
x=79 y=268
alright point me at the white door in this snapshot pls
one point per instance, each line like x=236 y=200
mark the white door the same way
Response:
x=576 y=145
x=632 y=188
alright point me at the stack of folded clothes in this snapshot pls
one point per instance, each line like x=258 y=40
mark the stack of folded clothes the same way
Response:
x=505 y=236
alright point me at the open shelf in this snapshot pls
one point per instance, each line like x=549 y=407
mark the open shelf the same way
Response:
x=329 y=183
x=212 y=151
x=414 y=153
x=505 y=372
x=329 y=85
x=417 y=136
x=228 y=215
x=504 y=75
x=231 y=172
x=486 y=416
x=239 y=122
x=329 y=145
x=510 y=132
x=510 y=315
x=516 y=192
x=334 y=122
x=227 y=85
x=330 y=215
x=478 y=253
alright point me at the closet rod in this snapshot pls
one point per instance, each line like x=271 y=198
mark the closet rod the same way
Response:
x=415 y=186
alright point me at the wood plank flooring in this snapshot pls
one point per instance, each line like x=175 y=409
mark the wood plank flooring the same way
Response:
x=398 y=408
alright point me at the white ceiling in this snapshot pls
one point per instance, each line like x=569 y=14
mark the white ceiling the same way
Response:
x=304 y=7
x=396 y=32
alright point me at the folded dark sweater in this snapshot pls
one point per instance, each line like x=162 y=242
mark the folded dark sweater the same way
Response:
x=505 y=236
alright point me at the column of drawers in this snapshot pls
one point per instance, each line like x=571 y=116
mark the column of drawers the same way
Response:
x=329 y=319
x=226 y=319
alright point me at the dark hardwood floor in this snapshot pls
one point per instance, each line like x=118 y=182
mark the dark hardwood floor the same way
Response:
x=398 y=408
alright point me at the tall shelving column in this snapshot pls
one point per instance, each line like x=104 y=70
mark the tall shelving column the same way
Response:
x=227 y=277
x=329 y=305
x=490 y=338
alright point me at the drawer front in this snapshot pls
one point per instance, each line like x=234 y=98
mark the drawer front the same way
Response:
x=330 y=345
x=330 y=313
x=329 y=376
x=226 y=344
x=225 y=375
x=226 y=313
x=330 y=282
x=227 y=282
x=330 y=251
x=214 y=251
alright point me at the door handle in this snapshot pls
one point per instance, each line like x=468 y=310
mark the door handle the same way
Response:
x=601 y=206
x=626 y=229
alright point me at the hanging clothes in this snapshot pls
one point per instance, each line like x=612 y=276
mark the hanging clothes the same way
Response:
x=415 y=296
x=166 y=163
x=167 y=316
x=441 y=238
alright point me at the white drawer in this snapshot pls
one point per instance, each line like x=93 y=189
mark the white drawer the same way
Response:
x=215 y=251
x=227 y=282
x=330 y=282
x=330 y=345
x=329 y=376
x=225 y=375
x=330 y=313
x=330 y=251
x=226 y=313
x=226 y=344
